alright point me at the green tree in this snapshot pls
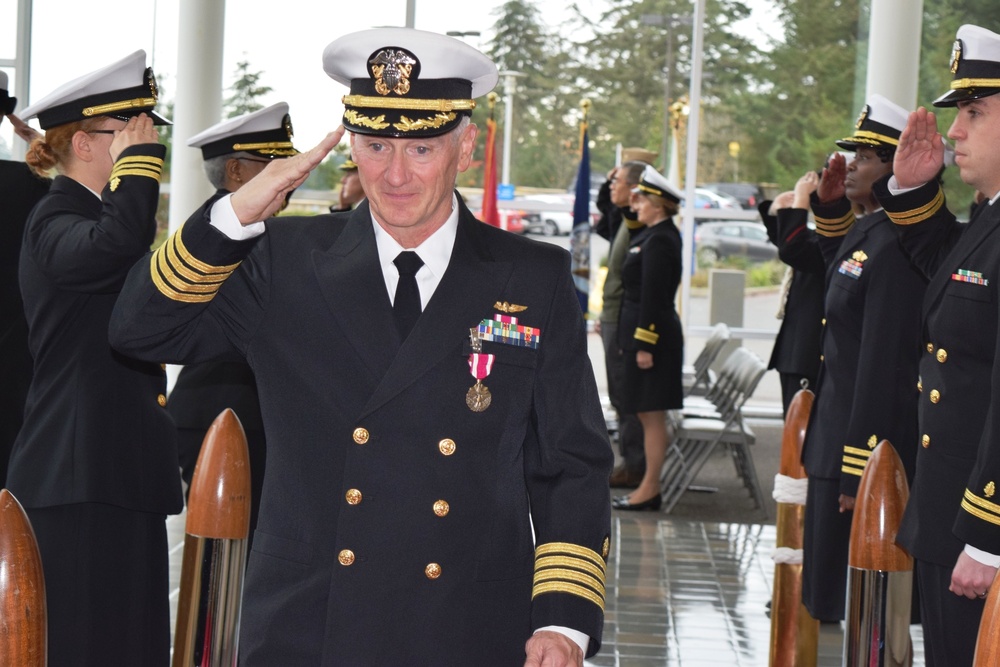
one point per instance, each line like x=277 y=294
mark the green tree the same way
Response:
x=246 y=90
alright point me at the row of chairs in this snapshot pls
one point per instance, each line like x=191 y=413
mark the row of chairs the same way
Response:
x=713 y=419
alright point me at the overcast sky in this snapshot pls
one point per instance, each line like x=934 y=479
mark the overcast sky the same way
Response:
x=283 y=39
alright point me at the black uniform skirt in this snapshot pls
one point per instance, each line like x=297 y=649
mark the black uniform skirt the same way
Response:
x=660 y=387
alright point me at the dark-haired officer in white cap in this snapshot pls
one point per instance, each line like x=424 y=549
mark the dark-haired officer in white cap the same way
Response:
x=234 y=151
x=649 y=328
x=867 y=386
x=95 y=463
x=436 y=487
x=20 y=190
x=952 y=521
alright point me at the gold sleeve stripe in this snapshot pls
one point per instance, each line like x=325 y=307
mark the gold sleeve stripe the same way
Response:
x=179 y=267
x=850 y=460
x=982 y=502
x=565 y=587
x=141 y=159
x=170 y=276
x=196 y=263
x=148 y=173
x=834 y=226
x=646 y=336
x=980 y=514
x=857 y=451
x=567 y=548
x=920 y=213
x=847 y=470
x=169 y=292
x=569 y=575
x=565 y=561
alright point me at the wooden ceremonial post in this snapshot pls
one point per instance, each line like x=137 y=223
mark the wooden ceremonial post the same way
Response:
x=23 y=623
x=218 y=523
x=794 y=633
x=880 y=573
x=988 y=641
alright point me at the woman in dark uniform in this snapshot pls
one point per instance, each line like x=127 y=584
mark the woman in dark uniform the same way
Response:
x=95 y=463
x=649 y=329
x=867 y=388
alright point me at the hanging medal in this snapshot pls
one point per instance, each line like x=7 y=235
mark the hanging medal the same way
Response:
x=478 y=398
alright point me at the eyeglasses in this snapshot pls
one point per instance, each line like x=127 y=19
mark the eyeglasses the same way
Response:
x=251 y=159
x=102 y=131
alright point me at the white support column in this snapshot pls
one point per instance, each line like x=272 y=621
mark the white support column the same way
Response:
x=691 y=168
x=22 y=69
x=201 y=33
x=894 y=50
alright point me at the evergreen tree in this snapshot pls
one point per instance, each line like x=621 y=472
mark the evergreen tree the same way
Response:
x=246 y=90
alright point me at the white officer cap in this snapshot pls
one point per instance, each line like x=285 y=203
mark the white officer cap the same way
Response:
x=975 y=66
x=121 y=90
x=407 y=83
x=879 y=125
x=266 y=133
x=655 y=183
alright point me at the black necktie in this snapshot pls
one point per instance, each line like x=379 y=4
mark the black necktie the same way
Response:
x=406 y=305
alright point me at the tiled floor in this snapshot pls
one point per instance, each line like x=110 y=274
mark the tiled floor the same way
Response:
x=679 y=593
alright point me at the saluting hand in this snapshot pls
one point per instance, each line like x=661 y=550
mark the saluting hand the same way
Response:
x=804 y=187
x=784 y=200
x=920 y=153
x=264 y=194
x=138 y=130
x=831 y=183
x=23 y=130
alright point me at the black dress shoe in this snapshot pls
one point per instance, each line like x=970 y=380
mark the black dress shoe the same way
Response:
x=623 y=478
x=622 y=503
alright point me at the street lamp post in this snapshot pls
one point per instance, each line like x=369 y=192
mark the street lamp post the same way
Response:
x=670 y=22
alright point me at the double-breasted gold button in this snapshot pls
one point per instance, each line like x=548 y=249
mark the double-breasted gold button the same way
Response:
x=920 y=385
x=433 y=570
x=353 y=496
x=942 y=355
x=441 y=508
x=822 y=358
x=447 y=446
x=346 y=557
x=824 y=321
x=925 y=441
x=162 y=400
x=935 y=395
x=361 y=435
x=930 y=347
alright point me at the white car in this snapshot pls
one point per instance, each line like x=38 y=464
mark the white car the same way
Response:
x=551 y=215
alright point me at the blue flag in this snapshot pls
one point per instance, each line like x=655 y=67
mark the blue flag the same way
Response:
x=580 y=239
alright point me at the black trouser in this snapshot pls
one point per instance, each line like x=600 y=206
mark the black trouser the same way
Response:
x=630 y=435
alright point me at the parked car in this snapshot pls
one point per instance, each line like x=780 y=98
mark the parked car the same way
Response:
x=704 y=198
x=728 y=238
x=749 y=195
x=515 y=219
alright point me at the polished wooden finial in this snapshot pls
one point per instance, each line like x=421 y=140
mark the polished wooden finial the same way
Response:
x=23 y=621
x=219 y=500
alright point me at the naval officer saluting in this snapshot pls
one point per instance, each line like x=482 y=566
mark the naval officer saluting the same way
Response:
x=436 y=486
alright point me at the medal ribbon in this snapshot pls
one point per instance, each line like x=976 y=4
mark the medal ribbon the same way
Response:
x=480 y=365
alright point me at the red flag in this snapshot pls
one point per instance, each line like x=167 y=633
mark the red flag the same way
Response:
x=490 y=214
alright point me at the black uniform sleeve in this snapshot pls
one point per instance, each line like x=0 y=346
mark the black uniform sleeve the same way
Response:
x=928 y=230
x=661 y=261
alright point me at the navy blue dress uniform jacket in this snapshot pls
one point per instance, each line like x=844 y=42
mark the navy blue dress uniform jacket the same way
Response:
x=95 y=427
x=867 y=387
x=953 y=501
x=394 y=525
x=796 y=348
x=651 y=274
x=20 y=190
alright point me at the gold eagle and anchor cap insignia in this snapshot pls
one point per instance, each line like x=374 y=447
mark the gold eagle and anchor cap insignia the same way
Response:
x=975 y=66
x=407 y=83
x=879 y=125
